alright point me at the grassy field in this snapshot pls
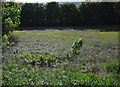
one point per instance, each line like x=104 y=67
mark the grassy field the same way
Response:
x=99 y=47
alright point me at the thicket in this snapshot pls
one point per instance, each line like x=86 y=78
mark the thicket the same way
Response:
x=33 y=70
x=69 y=14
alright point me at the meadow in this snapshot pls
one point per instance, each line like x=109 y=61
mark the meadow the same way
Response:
x=96 y=64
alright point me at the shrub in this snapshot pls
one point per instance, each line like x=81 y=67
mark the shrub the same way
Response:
x=75 y=49
x=10 y=16
x=40 y=58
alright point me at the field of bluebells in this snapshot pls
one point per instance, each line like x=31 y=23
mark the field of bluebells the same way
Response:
x=39 y=57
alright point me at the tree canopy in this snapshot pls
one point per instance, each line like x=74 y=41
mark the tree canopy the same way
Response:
x=10 y=16
x=69 y=14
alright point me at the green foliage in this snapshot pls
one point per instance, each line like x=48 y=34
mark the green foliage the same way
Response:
x=5 y=38
x=17 y=74
x=10 y=20
x=112 y=79
x=75 y=49
x=10 y=16
x=67 y=72
x=40 y=57
x=112 y=65
x=6 y=42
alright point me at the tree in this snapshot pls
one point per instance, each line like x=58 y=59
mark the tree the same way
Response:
x=116 y=14
x=52 y=13
x=39 y=15
x=87 y=13
x=27 y=15
x=10 y=16
x=69 y=14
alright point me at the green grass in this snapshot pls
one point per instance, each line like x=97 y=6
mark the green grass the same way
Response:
x=98 y=47
x=66 y=37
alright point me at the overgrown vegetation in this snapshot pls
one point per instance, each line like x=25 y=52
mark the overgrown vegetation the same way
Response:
x=39 y=65
x=10 y=20
x=60 y=57
x=40 y=58
x=17 y=74
x=10 y=16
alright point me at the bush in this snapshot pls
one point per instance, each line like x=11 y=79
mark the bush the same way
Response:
x=39 y=58
x=10 y=16
x=75 y=48
x=10 y=20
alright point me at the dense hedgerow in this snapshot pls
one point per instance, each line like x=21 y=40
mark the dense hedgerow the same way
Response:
x=69 y=14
